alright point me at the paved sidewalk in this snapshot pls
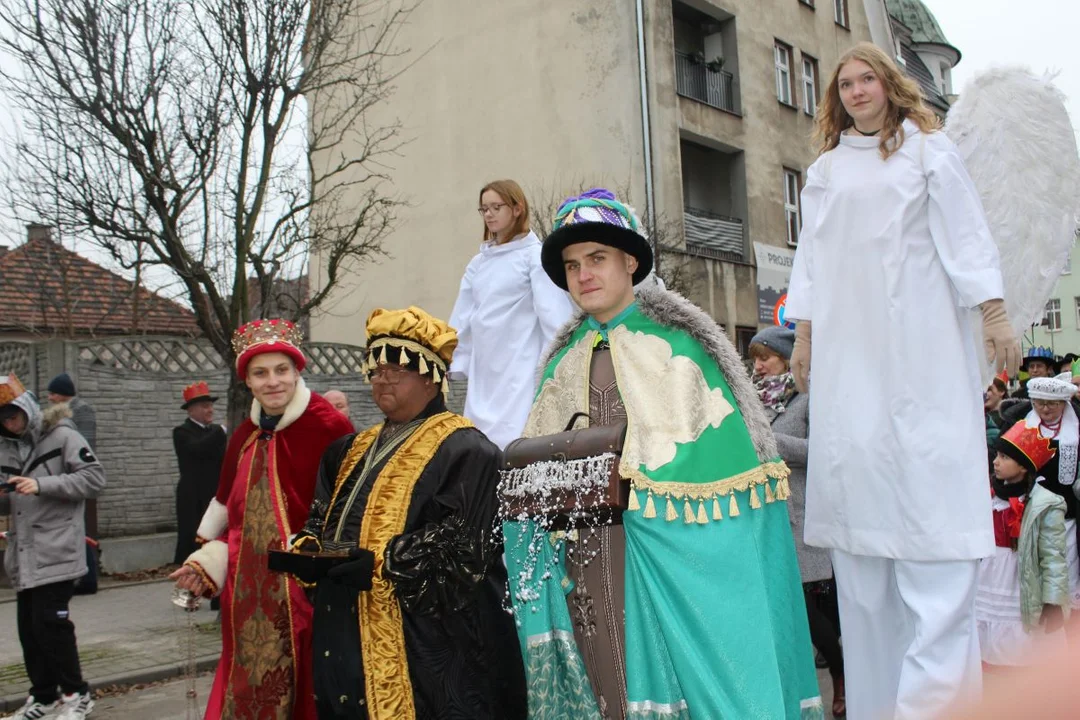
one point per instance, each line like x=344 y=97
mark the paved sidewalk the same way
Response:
x=126 y=634
x=161 y=702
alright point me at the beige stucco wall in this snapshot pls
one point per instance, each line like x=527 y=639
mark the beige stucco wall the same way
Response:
x=547 y=93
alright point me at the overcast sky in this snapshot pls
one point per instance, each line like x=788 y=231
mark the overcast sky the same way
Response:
x=1040 y=34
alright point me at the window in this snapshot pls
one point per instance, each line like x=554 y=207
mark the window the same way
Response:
x=1068 y=265
x=840 y=12
x=810 y=84
x=792 y=181
x=1052 y=319
x=1076 y=301
x=784 y=87
x=743 y=336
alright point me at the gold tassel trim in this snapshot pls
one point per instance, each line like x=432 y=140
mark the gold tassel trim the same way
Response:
x=716 y=514
x=702 y=517
x=755 y=500
x=435 y=375
x=403 y=358
x=769 y=497
x=783 y=489
x=671 y=513
x=633 y=505
x=701 y=491
x=650 y=508
x=688 y=513
x=423 y=365
x=733 y=507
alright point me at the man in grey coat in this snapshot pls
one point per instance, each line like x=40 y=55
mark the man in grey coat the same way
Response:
x=61 y=389
x=49 y=472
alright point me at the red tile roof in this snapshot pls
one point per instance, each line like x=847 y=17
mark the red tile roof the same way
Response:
x=46 y=288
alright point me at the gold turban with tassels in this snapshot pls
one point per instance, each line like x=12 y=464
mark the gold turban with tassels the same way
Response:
x=413 y=338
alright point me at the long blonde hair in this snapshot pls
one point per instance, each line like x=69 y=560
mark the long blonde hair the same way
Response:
x=905 y=102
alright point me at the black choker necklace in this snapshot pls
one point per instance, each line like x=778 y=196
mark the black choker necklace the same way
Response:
x=866 y=134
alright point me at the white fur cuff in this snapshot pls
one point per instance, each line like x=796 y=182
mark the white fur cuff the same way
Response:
x=211 y=561
x=214 y=522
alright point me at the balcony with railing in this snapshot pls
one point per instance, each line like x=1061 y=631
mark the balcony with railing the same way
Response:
x=712 y=235
x=696 y=80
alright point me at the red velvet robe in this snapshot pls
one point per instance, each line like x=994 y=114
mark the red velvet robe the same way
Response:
x=267 y=481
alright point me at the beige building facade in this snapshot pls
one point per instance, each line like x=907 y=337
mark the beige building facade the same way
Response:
x=549 y=94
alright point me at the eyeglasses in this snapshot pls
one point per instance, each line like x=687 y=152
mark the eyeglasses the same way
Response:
x=387 y=373
x=1048 y=403
x=492 y=208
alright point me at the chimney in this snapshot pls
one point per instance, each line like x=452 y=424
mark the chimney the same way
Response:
x=37 y=231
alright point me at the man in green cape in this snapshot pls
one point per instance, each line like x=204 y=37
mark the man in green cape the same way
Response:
x=692 y=607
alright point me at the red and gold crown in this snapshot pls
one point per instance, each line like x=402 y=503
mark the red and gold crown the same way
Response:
x=1026 y=445
x=196 y=391
x=267 y=336
x=10 y=388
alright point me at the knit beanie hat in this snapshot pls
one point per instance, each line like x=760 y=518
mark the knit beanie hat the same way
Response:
x=62 y=384
x=777 y=338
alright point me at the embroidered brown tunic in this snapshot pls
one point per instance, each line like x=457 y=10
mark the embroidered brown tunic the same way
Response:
x=598 y=567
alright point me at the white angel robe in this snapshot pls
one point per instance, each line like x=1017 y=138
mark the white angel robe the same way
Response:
x=506 y=313
x=893 y=261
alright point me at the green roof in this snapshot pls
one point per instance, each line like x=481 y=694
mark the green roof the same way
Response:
x=915 y=14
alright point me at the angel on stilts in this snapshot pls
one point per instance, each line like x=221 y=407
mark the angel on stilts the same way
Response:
x=897 y=258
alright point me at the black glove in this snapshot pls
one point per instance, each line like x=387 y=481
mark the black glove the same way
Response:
x=356 y=572
x=435 y=570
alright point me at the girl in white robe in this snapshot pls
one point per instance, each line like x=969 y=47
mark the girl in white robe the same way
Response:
x=506 y=313
x=894 y=262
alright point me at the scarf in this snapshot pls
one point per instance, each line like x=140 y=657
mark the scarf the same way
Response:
x=775 y=390
x=1068 y=439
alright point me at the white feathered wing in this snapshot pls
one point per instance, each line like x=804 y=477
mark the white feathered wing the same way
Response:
x=1018 y=145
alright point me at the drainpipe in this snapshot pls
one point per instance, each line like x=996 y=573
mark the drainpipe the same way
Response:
x=646 y=130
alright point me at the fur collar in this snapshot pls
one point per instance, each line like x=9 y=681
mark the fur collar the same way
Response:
x=293 y=410
x=673 y=310
x=54 y=414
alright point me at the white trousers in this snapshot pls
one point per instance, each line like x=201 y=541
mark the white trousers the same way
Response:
x=911 y=644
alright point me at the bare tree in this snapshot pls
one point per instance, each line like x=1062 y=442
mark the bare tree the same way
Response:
x=175 y=135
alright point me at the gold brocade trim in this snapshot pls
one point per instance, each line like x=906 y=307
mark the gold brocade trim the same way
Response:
x=382 y=638
x=285 y=531
x=236 y=566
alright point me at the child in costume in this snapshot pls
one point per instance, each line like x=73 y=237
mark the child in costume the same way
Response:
x=506 y=313
x=1023 y=594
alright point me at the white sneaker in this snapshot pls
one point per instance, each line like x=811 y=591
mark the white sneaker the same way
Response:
x=33 y=710
x=75 y=706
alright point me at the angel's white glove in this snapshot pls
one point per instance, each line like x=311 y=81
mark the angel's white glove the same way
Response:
x=1002 y=349
x=800 y=356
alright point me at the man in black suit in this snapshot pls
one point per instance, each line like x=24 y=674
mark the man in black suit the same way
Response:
x=200 y=448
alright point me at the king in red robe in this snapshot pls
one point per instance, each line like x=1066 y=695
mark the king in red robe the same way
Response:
x=266 y=486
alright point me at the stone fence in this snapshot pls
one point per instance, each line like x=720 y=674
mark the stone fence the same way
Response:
x=135 y=385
